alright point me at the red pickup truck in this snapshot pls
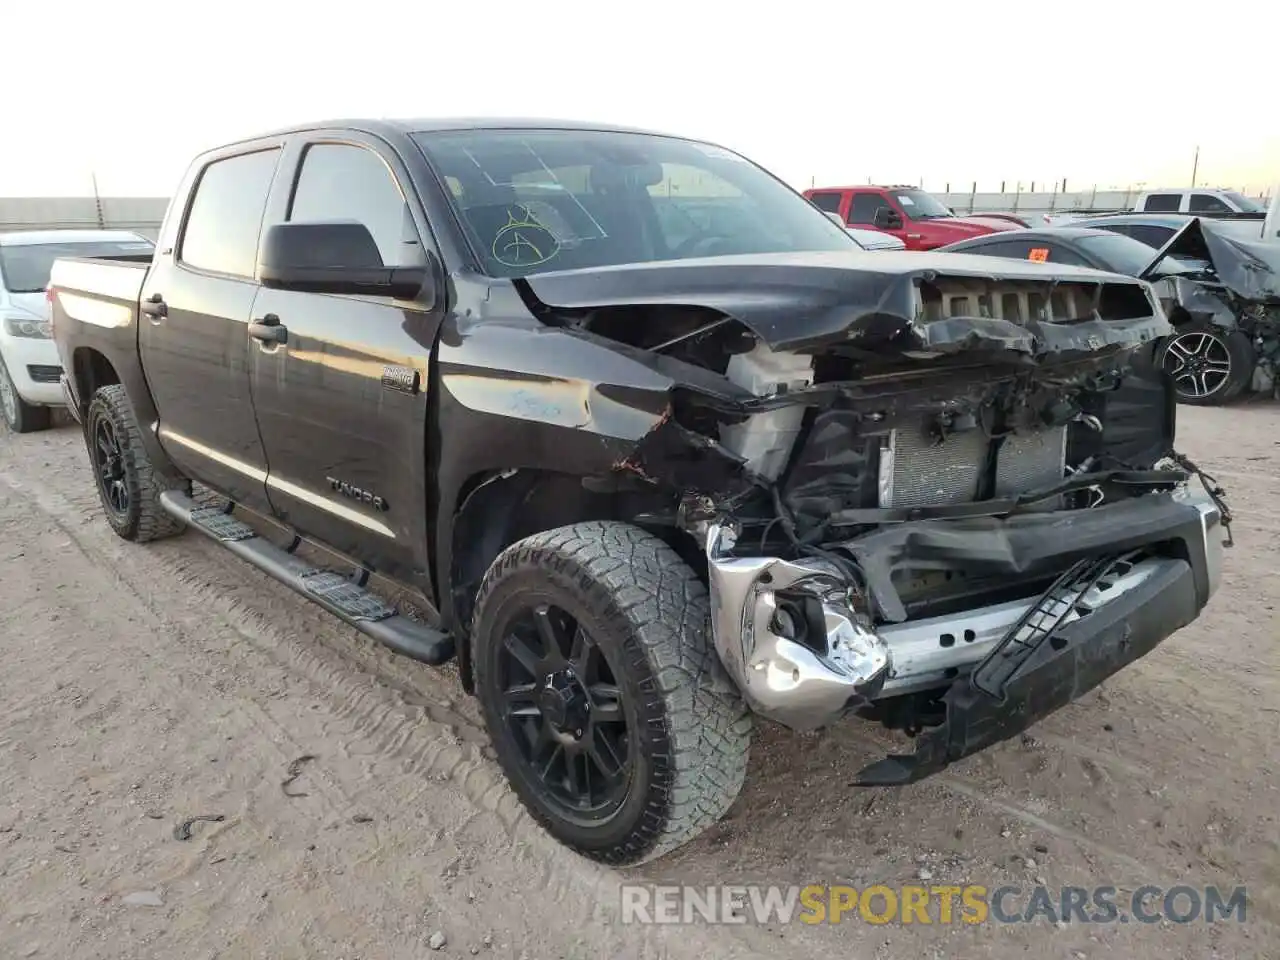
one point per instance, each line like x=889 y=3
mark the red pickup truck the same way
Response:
x=917 y=218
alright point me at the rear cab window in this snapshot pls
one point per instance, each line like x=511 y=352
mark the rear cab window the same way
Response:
x=1162 y=203
x=224 y=218
x=828 y=200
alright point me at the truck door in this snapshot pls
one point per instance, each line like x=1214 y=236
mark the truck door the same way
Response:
x=192 y=331
x=872 y=210
x=341 y=397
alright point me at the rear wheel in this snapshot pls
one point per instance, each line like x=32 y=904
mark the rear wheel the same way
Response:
x=22 y=417
x=607 y=706
x=1209 y=365
x=128 y=485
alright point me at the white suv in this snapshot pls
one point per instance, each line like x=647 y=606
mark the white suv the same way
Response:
x=29 y=365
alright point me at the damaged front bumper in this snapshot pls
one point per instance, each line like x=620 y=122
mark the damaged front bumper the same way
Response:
x=808 y=674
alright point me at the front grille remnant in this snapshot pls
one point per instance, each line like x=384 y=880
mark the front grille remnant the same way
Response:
x=1043 y=618
x=917 y=471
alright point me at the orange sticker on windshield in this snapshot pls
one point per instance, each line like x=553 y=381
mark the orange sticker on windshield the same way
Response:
x=1039 y=254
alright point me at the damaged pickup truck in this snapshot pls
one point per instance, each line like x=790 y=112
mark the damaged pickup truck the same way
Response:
x=661 y=446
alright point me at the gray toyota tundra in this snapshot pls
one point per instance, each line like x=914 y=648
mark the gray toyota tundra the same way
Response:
x=660 y=446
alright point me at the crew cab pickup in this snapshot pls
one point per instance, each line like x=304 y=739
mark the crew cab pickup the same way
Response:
x=916 y=218
x=1200 y=202
x=661 y=446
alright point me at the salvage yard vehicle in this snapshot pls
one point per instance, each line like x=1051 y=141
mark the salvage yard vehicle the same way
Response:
x=919 y=219
x=29 y=370
x=1221 y=294
x=653 y=484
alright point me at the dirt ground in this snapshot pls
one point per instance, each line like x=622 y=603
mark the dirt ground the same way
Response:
x=140 y=687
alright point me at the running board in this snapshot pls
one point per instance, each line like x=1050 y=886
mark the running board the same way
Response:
x=364 y=610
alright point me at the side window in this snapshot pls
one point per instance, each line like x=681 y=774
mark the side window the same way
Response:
x=1207 y=203
x=1020 y=249
x=1163 y=203
x=221 y=232
x=864 y=207
x=829 y=202
x=1152 y=236
x=1060 y=254
x=340 y=181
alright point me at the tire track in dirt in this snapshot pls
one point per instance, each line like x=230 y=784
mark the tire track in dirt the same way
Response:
x=401 y=732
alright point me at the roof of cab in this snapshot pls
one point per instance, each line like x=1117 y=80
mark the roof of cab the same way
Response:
x=384 y=126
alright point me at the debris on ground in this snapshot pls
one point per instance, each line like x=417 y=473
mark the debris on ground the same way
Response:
x=295 y=771
x=183 y=830
x=438 y=940
x=143 y=898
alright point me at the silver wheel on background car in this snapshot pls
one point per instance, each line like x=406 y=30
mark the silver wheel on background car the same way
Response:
x=1208 y=363
x=1199 y=363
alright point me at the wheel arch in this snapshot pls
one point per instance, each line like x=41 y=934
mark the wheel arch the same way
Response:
x=498 y=508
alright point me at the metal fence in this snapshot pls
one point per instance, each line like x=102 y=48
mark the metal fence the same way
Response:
x=142 y=214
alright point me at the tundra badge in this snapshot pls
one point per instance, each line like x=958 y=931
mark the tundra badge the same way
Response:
x=403 y=379
x=355 y=493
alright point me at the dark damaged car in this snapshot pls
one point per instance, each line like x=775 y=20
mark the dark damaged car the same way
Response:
x=1220 y=293
x=659 y=445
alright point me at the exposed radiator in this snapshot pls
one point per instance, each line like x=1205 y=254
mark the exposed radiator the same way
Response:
x=917 y=472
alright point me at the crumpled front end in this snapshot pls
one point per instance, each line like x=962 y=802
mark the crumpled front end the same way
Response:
x=1104 y=587
x=906 y=473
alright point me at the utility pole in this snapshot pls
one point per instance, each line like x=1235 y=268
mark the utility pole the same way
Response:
x=1195 y=166
x=97 y=201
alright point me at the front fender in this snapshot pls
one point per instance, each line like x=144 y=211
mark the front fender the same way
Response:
x=519 y=395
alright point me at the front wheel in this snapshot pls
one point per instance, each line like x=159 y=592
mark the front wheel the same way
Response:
x=1209 y=365
x=22 y=417
x=608 y=708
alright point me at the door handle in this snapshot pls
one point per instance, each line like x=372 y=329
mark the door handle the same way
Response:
x=155 y=307
x=269 y=329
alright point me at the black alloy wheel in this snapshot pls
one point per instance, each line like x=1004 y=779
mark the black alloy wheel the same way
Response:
x=606 y=703
x=564 y=710
x=108 y=463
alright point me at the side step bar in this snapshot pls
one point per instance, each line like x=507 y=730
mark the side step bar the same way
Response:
x=364 y=610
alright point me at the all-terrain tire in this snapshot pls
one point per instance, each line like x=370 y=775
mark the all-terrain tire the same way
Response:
x=1217 y=345
x=20 y=416
x=142 y=519
x=648 y=614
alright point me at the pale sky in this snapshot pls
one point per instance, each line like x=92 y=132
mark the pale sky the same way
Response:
x=1114 y=93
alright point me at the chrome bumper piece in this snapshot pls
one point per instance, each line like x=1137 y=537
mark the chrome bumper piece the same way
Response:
x=800 y=687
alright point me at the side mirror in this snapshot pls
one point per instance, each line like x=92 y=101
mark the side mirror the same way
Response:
x=887 y=218
x=334 y=257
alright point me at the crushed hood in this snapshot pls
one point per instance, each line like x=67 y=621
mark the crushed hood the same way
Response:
x=804 y=301
x=1249 y=269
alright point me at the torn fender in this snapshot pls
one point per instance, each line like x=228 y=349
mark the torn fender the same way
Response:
x=1250 y=270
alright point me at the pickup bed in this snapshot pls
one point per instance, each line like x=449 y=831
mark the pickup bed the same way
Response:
x=660 y=445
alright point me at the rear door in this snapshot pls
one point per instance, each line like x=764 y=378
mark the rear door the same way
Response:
x=193 y=328
x=342 y=402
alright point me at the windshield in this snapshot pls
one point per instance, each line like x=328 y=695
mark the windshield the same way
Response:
x=919 y=205
x=1130 y=257
x=1244 y=203
x=25 y=267
x=539 y=200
